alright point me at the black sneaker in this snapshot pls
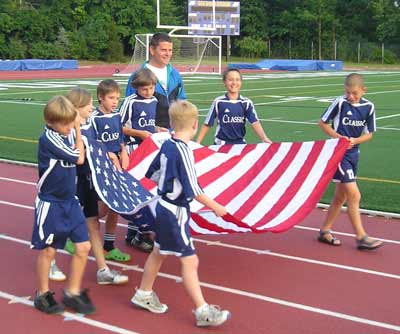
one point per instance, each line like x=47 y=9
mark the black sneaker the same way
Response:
x=80 y=303
x=143 y=242
x=46 y=303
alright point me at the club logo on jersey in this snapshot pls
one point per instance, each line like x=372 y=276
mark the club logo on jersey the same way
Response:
x=143 y=122
x=227 y=110
x=232 y=119
x=107 y=137
x=349 y=113
x=353 y=122
x=106 y=127
x=143 y=113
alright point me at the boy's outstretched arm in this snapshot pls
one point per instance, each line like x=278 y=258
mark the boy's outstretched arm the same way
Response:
x=218 y=209
x=203 y=131
x=259 y=131
x=124 y=157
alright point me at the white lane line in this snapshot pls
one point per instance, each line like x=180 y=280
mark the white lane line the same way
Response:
x=17 y=181
x=268 y=252
x=342 y=316
x=69 y=315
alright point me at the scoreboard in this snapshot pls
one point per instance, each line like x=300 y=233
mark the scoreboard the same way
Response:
x=227 y=17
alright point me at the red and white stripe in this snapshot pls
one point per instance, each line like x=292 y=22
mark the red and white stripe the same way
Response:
x=264 y=187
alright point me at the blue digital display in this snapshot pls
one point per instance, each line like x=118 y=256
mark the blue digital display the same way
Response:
x=227 y=17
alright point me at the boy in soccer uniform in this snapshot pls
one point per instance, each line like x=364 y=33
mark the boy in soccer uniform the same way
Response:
x=173 y=170
x=58 y=215
x=352 y=117
x=138 y=114
x=82 y=101
x=231 y=111
x=108 y=129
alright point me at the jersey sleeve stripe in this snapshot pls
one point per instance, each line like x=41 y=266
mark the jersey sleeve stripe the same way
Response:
x=189 y=167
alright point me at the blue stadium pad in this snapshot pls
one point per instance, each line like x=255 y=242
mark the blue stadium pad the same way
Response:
x=292 y=65
x=38 y=64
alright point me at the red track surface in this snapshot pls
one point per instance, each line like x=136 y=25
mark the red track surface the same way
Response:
x=253 y=286
x=88 y=71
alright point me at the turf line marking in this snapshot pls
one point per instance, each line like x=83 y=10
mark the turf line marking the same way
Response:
x=19 y=139
x=390 y=116
x=256 y=251
x=243 y=293
x=70 y=316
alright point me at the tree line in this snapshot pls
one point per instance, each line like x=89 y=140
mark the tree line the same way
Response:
x=105 y=29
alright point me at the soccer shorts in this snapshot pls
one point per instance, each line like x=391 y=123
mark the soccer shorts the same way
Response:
x=347 y=170
x=87 y=196
x=57 y=221
x=172 y=230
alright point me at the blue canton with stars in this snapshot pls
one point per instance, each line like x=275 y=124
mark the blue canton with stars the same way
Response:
x=119 y=190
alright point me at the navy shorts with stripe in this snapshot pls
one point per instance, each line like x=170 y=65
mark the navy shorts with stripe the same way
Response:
x=172 y=230
x=347 y=170
x=87 y=196
x=57 y=221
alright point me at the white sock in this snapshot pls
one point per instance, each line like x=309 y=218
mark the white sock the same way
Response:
x=201 y=308
x=143 y=293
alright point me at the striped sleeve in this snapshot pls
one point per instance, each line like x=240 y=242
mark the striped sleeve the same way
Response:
x=189 y=181
x=59 y=148
x=332 y=110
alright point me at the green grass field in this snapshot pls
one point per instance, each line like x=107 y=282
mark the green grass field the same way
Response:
x=288 y=104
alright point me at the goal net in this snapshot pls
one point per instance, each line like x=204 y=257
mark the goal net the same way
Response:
x=193 y=54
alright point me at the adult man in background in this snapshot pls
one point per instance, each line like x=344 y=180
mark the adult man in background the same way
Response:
x=169 y=85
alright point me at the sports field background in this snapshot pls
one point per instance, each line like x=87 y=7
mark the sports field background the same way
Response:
x=288 y=104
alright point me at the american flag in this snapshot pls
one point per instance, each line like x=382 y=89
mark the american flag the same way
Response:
x=119 y=190
x=264 y=187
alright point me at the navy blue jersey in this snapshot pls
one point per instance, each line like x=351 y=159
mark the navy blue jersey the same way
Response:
x=108 y=129
x=57 y=159
x=173 y=170
x=231 y=116
x=140 y=114
x=351 y=120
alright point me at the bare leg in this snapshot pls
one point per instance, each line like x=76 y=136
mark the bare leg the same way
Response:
x=43 y=267
x=335 y=207
x=151 y=269
x=96 y=241
x=353 y=208
x=78 y=265
x=191 y=281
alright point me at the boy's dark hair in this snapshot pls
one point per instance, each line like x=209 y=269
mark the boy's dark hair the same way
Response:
x=143 y=77
x=159 y=37
x=228 y=70
x=106 y=87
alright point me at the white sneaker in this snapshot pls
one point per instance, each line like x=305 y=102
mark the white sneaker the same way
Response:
x=55 y=273
x=108 y=276
x=211 y=315
x=150 y=303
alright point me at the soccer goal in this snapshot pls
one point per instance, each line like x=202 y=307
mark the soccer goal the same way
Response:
x=194 y=54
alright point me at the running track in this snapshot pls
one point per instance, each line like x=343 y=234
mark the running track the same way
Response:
x=272 y=283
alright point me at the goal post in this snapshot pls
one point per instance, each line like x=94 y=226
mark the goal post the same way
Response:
x=191 y=54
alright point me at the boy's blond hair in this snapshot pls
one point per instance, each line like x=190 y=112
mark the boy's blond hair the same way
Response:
x=144 y=77
x=79 y=97
x=353 y=80
x=182 y=115
x=106 y=87
x=59 y=110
